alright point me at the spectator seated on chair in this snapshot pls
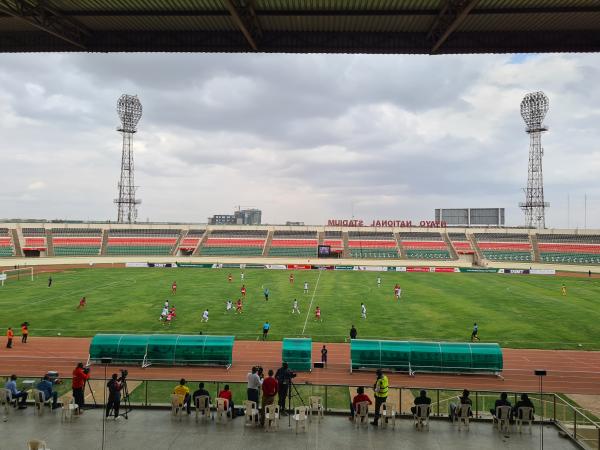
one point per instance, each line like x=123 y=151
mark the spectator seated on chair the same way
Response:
x=11 y=385
x=45 y=386
x=226 y=394
x=464 y=400
x=358 y=398
x=184 y=395
x=502 y=401
x=523 y=403
x=422 y=399
x=200 y=392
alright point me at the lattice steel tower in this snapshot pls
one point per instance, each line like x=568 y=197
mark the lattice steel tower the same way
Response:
x=533 y=110
x=129 y=109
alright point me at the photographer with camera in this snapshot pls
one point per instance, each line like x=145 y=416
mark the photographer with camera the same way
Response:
x=284 y=379
x=254 y=384
x=80 y=376
x=114 y=393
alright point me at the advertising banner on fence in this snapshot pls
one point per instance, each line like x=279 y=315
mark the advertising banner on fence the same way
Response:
x=514 y=271
x=371 y=268
x=445 y=269
x=195 y=265
x=478 y=270
x=231 y=266
x=343 y=268
x=276 y=266
x=299 y=266
x=419 y=269
x=136 y=264
x=401 y=269
x=162 y=265
x=542 y=272
x=323 y=267
x=252 y=266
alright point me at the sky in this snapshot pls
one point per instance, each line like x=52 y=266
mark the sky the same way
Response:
x=302 y=137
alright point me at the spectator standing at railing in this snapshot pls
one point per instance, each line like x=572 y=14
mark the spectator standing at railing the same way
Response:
x=270 y=386
x=254 y=384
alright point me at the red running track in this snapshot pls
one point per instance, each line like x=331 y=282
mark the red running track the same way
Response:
x=569 y=372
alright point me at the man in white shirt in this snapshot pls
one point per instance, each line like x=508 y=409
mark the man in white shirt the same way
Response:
x=305 y=287
x=205 y=315
x=229 y=305
x=295 y=308
x=363 y=311
x=254 y=384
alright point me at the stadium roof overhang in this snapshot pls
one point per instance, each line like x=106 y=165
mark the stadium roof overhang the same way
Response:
x=300 y=26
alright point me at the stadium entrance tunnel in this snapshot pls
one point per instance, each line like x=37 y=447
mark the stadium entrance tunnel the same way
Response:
x=440 y=357
x=163 y=349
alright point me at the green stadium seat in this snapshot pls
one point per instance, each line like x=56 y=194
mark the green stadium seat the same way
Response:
x=293 y=251
x=231 y=251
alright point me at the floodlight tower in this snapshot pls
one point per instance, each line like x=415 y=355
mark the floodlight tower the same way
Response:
x=129 y=109
x=533 y=110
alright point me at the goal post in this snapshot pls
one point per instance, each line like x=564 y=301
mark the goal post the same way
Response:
x=21 y=273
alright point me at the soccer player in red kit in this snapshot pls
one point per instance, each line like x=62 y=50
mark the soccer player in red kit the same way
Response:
x=174 y=288
x=82 y=303
x=318 y=314
x=291 y=278
x=229 y=278
x=243 y=290
x=239 y=306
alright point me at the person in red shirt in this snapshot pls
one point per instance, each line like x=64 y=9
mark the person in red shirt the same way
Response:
x=270 y=387
x=358 y=398
x=80 y=376
x=243 y=290
x=9 y=337
x=226 y=394
x=239 y=306
x=82 y=303
x=174 y=288
x=229 y=278
x=172 y=312
x=291 y=278
x=318 y=314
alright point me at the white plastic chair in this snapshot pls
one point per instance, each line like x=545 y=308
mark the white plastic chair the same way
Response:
x=36 y=444
x=251 y=413
x=524 y=414
x=300 y=417
x=503 y=418
x=361 y=414
x=39 y=399
x=462 y=412
x=316 y=407
x=271 y=417
x=5 y=400
x=68 y=409
x=388 y=412
x=202 y=406
x=176 y=406
x=222 y=409
x=422 y=417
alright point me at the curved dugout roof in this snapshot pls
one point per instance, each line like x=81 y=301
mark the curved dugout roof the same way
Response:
x=300 y=26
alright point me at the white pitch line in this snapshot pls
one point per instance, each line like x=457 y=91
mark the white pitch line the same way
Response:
x=311 y=301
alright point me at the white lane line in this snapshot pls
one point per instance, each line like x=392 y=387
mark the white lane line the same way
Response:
x=311 y=301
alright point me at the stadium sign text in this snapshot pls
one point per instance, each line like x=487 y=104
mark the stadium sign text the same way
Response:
x=386 y=223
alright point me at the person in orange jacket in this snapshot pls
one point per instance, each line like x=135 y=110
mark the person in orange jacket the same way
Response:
x=9 y=337
x=80 y=376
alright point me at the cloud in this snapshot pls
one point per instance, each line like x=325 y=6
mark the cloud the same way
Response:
x=303 y=137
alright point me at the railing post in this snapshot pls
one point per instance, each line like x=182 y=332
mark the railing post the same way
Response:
x=575 y=425
x=477 y=404
x=146 y=393
x=598 y=438
x=326 y=409
x=554 y=405
x=400 y=401
x=438 y=401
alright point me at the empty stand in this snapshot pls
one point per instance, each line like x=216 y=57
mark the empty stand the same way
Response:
x=372 y=244
x=515 y=247
x=301 y=244
x=234 y=243
x=461 y=243
x=569 y=248
x=130 y=242
x=191 y=241
x=77 y=241
x=7 y=247
x=427 y=245
x=34 y=239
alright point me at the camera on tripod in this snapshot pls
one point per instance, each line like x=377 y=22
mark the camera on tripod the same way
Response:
x=124 y=373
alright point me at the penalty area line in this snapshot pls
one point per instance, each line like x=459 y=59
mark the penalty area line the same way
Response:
x=311 y=301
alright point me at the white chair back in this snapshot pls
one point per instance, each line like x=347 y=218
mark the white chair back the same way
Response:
x=503 y=417
x=361 y=413
x=39 y=399
x=524 y=415
x=388 y=412
x=5 y=399
x=271 y=417
x=222 y=407
x=422 y=416
x=316 y=406
x=464 y=410
x=176 y=405
x=301 y=416
x=69 y=407
x=202 y=405
x=251 y=412
x=36 y=444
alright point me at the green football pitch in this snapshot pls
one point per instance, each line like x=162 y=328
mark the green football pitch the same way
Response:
x=520 y=311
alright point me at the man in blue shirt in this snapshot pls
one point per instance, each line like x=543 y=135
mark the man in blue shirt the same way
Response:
x=11 y=385
x=45 y=386
x=266 y=328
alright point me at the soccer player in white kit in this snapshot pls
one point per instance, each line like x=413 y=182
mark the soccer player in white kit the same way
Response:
x=378 y=281
x=205 y=316
x=363 y=311
x=295 y=308
x=305 y=287
x=242 y=276
x=229 y=305
x=163 y=314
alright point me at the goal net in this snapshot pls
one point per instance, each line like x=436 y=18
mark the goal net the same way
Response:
x=22 y=273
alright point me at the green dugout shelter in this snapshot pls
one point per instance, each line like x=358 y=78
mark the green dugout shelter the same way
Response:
x=408 y=356
x=297 y=352
x=163 y=349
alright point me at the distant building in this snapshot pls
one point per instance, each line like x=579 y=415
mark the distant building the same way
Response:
x=240 y=217
x=294 y=224
x=471 y=217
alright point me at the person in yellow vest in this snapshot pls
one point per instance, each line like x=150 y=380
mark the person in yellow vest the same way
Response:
x=381 y=392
